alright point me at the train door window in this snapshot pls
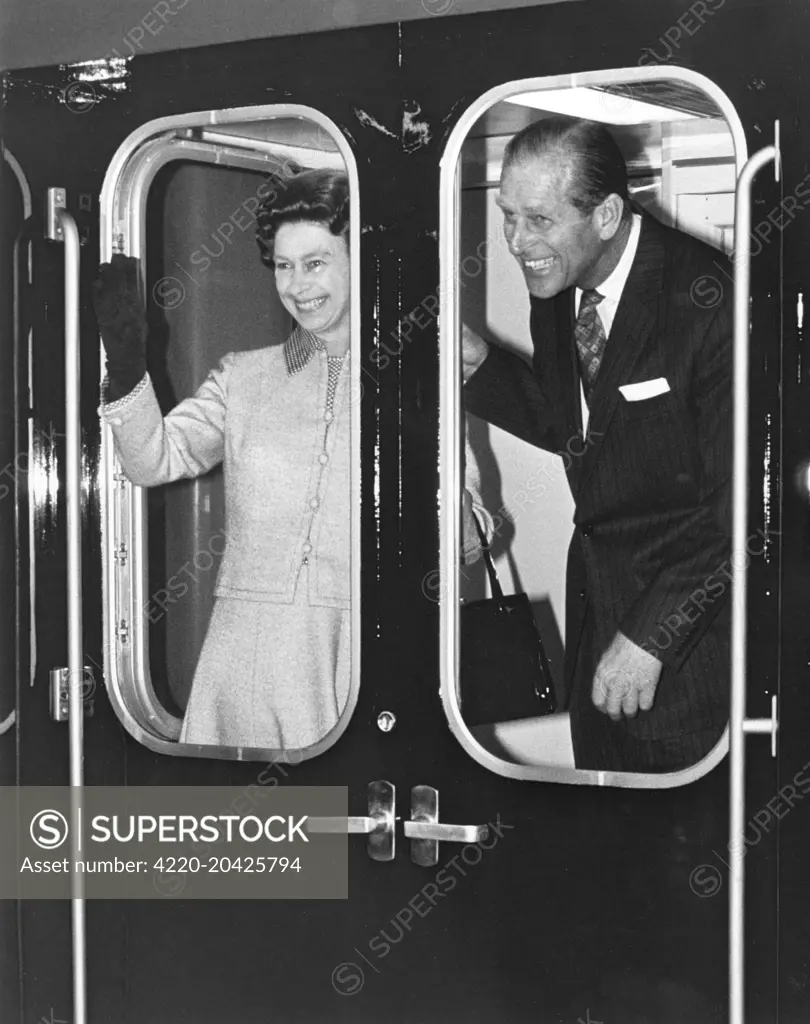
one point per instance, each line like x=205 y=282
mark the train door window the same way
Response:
x=512 y=265
x=231 y=555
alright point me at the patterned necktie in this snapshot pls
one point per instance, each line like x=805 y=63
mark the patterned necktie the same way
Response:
x=589 y=334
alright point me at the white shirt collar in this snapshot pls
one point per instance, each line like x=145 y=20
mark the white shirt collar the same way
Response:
x=613 y=286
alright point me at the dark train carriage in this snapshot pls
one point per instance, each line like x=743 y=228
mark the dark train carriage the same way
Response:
x=565 y=895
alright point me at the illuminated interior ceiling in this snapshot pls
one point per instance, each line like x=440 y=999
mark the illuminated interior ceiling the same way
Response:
x=612 y=106
x=617 y=104
x=637 y=116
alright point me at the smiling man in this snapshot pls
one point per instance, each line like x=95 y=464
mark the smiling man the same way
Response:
x=632 y=367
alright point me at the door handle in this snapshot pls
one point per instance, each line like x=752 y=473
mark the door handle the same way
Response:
x=378 y=824
x=61 y=227
x=445 y=833
x=351 y=825
x=426 y=831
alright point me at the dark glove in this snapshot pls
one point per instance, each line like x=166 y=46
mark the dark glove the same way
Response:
x=122 y=324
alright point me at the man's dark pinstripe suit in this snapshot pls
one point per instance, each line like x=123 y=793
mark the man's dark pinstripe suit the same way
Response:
x=649 y=554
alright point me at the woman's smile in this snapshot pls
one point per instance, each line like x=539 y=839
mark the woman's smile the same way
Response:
x=310 y=305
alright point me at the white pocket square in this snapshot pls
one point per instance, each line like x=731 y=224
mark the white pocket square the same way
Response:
x=645 y=389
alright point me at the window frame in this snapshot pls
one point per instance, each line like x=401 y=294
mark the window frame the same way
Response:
x=451 y=423
x=124 y=526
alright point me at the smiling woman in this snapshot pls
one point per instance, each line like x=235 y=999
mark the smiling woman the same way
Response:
x=303 y=236
x=274 y=670
x=246 y=431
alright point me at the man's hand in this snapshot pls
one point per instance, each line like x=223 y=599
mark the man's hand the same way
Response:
x=474 y=351
x=626 y=679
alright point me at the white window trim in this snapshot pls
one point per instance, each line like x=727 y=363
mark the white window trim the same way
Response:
x=123 y=505
x=450 y=422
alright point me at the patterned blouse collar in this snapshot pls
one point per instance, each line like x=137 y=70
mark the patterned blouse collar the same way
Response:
x=299 y=348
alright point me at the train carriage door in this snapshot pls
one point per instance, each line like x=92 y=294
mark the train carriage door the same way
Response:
x=181 y=196
x=654 y=933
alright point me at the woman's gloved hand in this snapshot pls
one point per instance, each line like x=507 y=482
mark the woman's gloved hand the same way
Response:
x=471 y=541
x=122 y=324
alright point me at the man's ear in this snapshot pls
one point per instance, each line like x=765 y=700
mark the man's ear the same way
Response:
x=608 y=216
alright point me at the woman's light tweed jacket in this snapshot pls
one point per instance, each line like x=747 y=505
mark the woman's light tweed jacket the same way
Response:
x=287 y=477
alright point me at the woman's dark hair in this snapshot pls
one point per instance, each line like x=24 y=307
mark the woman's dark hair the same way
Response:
x=597 y=167
x=294 y=194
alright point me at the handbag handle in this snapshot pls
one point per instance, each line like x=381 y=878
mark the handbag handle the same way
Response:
x=497 y=591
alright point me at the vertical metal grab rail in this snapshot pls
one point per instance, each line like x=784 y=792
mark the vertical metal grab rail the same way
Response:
x=62 y=227
x=739 y=724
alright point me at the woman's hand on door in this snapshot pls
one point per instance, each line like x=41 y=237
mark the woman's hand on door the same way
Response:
x=122 y=323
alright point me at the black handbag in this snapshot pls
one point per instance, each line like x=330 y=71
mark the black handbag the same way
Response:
x=504 y=670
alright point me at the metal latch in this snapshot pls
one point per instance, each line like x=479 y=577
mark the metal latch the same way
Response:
x=769 y=726
x=57 y=198
x=60 y=693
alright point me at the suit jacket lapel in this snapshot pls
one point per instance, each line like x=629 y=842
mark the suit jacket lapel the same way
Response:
x=552 y=326
x=568 y=361
x=631 y=329
x=569 y=373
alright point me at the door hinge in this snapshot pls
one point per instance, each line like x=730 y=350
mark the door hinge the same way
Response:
x=57 y=198
x=60 y=693
x=121 y=554
x=123 y=631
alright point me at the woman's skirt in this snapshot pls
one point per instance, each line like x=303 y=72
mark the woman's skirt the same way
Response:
x=273 y=676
